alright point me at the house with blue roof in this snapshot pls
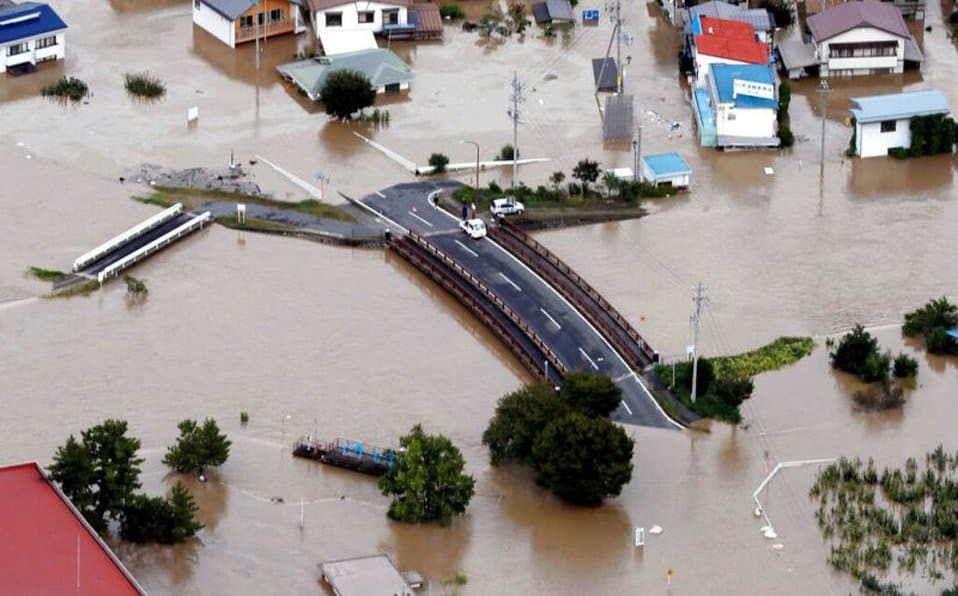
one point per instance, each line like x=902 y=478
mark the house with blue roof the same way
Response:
x=883 y=122
x=739 y=108
x=30 y=33
x=666 y=169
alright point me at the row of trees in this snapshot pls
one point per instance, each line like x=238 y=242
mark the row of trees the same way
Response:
x=100 y=474
x=564 y=435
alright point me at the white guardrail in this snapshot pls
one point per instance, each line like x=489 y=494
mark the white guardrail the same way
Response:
x=148 y=249
x=137 y=230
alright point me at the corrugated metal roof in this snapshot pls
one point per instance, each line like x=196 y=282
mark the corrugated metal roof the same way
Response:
x=23 y=21
x=618 y=117
x=759 y=18
x=427 y=18
x=852 y=15
x=381 y=67
x=796 y=54
x=667 y=164
x=897 y=106
x=723 y=76
x=733 y=40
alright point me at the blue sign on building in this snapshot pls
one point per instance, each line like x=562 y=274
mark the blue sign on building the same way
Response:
x=590 y=15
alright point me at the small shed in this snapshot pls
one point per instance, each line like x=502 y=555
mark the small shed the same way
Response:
x=666 y=169
x=883 y=122
x=553 y=11
x=797 y=56
x=605 y=74
x=374 y=575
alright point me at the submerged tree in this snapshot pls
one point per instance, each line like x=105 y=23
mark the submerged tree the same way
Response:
x=155 y=519
x=427 y=482
x=346 y=92
x=197 y=447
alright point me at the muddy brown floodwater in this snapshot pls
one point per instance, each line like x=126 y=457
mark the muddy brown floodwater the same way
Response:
x=355 y=343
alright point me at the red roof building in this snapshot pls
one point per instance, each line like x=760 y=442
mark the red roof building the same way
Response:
x=731 y=40
x=46 y=547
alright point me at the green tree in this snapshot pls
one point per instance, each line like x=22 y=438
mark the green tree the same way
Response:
x=439 y=162
x=592 y=394
x=583 y=460
x=938 y=312
x=905 y=367
x=586 y=171
x=611 y=182
x=197 y=447
x=427 y=482
x=345 y=92
x=939 y=342
x=155 y=519
x=853 y=351
x=507 y=153
x=105 y=460
x=556 y=179
x=183 y=513
x=519 y=418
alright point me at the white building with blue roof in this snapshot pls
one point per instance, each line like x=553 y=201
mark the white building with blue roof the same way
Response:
x=30 y=33
x=883 y=122
x=666 y=169
x=743 y=105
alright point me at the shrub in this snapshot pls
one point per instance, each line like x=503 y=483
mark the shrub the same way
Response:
x=70 y=88
x=135 y=286
x=733 y=390
x=876 y=367
x=937 y=312
x=881 y=397
x=506 y=153
x=197 y=447
x=452 y=11
x=899 y=152
x=939 y=342
x=853 y=352
x=905 y=366
x=244 y=417
x=785 y=136
x=439 y=162
x=346 y=92
x=143 y=84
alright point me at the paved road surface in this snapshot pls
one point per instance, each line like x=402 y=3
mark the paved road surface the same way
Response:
x=576 y=342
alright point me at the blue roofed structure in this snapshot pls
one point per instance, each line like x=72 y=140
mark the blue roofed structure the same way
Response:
x=743 y=102
x=666 y=169
x=21 y=22
x=898 y=106
x=752 y=88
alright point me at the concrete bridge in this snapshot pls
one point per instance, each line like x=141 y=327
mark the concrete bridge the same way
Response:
x=548 y=316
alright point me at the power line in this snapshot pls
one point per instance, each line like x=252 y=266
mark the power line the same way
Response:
x=516 y=99
x=699 y=297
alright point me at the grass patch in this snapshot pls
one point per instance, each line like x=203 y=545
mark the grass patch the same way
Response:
x=70 y=88
x=166 y=196
x=46 y=274
x=87 y=287
x=143 y=84
x=135 y=286
x=781 y=352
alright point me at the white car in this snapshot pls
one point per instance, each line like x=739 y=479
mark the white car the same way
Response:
x=476 y=228
x=502 y=207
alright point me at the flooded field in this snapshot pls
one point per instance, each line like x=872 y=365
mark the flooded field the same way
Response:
x=356 y=343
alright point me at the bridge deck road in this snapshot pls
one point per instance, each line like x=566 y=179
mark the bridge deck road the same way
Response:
x=575 y=341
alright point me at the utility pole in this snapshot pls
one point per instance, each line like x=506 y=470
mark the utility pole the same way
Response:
x=700 y=298
x=637 y=150
x=614 y=8
x=823 y=90
x=514 y=111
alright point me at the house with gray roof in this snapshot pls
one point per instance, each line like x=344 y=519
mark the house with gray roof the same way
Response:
x=883 y=122
x=862 y=38
x=239 y=21
x=384 y=69
x=759 y=18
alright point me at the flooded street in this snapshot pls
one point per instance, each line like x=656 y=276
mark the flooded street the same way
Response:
x=356 y=343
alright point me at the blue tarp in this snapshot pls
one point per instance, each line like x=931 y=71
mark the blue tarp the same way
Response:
x=25 y=21
x=953 y=333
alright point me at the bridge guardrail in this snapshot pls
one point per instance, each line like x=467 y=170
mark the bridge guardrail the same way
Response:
x=147 y=250
x=559 y=264
x=494 y=298
x=455 y=286
x=124 y=237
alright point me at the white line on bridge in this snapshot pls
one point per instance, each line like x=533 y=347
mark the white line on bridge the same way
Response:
x=627 y=408
x=381 y=195
x=510 y=282
x=548 y=316
x=591 y=361
x=621 y=378
x=467 y=249
x=427 y=222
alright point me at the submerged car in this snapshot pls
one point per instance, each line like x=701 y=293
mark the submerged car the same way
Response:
x=503 y=207
x=476 y=228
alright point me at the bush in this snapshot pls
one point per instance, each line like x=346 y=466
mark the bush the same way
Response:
x=244 y=417
x=905 y=366
x=439 y=162
x=346 y=92
x=452 y=11
x=70 y=88
x=155 y=519
x=785 y=136
x=939 y=342
x=593 y=395
x=876 y=368
x=937 y=312
x=507 y=153
x=143 y=84
x=135 y=286
x=899 y=152
x=857 y=353
x=733 y=390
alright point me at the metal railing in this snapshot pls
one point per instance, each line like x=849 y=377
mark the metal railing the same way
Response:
x=265 y=30
x=513 y=236
x=418 y=256
x=148 y=249
x=124 y=237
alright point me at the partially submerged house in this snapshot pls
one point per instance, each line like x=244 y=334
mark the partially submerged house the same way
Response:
x=913 y=10
x=666 y=169
x=384 y=69
x=392 y=18
x=239 y=21
x=30 y=33
x=883 y=122
x=739 y=107
x=553 y=11
x=721 y=41
x=862 y=38
x=760 y=19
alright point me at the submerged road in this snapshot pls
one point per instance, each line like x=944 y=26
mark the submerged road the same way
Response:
x=578 y=344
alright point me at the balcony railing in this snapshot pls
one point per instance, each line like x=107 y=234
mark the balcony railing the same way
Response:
x=265 y=30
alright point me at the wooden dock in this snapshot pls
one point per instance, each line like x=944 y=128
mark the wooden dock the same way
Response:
x=344 y=453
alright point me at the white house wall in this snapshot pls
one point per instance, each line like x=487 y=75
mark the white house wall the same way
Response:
x=745 y=122
x=351 y=12
x=862 y=35
x=870 y=141
x=214 y=23
x=33 y=55
x=702 y=62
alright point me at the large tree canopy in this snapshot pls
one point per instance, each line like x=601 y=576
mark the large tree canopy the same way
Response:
x=519 y=417
x=197 y=447
x=427 y=482
x=592 y=394
x=345 y=92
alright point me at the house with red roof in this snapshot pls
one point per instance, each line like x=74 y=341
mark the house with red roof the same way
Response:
x=724 y=41
x=862 y=38
x=47 y=548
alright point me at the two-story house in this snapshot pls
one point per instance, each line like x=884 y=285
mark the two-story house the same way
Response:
x=723 y=41
x=30 y=33
x=380 y=16
x=862 y=38
x=739 y=107
x=238 y=21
